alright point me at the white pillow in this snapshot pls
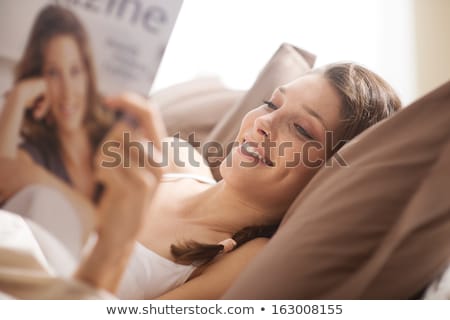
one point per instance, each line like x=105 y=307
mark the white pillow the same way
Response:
x=440 y=288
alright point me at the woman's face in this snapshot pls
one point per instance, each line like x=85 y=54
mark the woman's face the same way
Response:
x=281 y=144
x=67 y=82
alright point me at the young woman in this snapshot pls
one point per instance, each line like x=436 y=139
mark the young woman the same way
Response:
x=187 y=229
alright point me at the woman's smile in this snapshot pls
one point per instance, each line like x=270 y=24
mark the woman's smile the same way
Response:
x=250 y=150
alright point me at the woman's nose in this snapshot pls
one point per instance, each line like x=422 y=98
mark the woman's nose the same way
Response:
x=263 y=127
x=66 y=87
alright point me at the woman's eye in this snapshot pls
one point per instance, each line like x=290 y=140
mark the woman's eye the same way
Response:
x=303 y=132
x=52 y=73
x=270 y=105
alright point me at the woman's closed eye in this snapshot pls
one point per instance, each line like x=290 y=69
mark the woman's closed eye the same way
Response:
x=270 y=105
x=52 y=73
x=303 y=132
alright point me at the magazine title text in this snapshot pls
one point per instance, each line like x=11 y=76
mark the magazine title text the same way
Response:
x=152 y=18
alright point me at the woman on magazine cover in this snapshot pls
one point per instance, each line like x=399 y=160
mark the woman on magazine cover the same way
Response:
x=171 y=231
x=53 y=115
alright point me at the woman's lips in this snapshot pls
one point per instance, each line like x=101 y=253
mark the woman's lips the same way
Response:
x=249 y=150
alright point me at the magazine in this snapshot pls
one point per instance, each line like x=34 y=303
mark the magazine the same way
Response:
x=127 y=38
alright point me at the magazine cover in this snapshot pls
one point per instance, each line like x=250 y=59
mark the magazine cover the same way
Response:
x=127 y=38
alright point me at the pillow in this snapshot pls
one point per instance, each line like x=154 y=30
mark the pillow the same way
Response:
x=199 y=113
x=377 y=228
x=50 y=209
x=440 y=288
x=287 y=64
x=194 y=106
x=180 y=92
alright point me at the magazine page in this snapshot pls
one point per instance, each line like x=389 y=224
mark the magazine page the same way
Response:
x=127 y=38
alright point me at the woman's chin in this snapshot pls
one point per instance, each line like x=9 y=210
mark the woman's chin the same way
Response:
x=234 y=167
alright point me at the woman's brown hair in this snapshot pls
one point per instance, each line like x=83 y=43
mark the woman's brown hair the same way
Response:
x=365 y=99
x=52 y=21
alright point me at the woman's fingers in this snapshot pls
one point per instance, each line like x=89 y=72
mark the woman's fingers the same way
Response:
x=30 y=90
x=143 y=154
x=139 y=107
x=126 y=198
x=127 y=148
x=109 y=153
x=130 y=102
x=133 y=177
x=41 y=107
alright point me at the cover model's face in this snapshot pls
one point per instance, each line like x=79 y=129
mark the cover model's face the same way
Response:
x=67 y=82
x=281 y=144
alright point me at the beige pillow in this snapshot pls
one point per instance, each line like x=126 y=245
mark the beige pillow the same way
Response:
x=379 y=228
x=180 y=92
x=287 y=64
x=194 y=107
x=198 y=114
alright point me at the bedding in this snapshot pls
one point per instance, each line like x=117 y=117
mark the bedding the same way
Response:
x=25 y=270
x=440 y=288
x=50 y=209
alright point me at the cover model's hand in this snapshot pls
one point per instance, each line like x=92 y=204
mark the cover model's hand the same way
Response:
x=32 y=94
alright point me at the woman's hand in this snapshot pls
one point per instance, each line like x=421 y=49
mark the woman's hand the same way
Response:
x=28 y=93
x=31 y=94
x=147 y=116
x=129 y=185
x=122 y=210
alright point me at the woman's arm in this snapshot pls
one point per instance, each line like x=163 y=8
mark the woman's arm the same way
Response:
x=122 y=211
x=23 y=95
x=217 y=277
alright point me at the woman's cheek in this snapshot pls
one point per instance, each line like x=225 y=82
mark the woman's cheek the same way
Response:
x=314 y=154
